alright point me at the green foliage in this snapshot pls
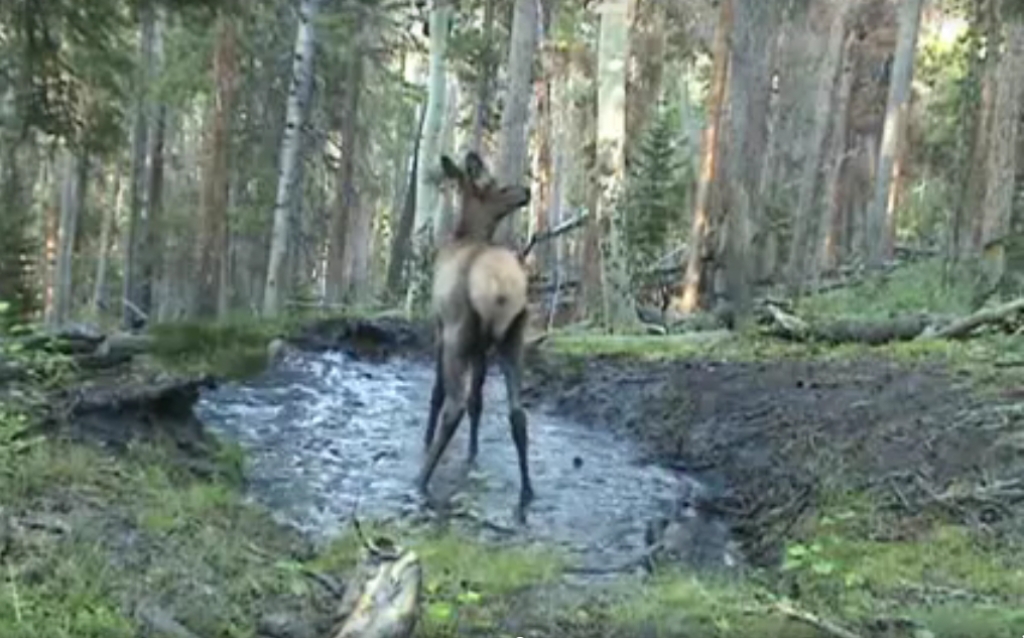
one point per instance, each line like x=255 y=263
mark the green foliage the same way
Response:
x=71 y=66
x=916 y=288
x=655 y=194
x=233 y=348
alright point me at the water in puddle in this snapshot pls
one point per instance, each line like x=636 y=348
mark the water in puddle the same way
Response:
x=322 y=429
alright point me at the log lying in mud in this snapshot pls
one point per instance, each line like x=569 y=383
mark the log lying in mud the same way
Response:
x=382 y=599
x=904 y=328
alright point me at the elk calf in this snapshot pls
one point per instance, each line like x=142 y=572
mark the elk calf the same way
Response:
x=478 y=302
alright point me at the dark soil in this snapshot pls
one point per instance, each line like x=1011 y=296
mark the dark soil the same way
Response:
x=784 y=435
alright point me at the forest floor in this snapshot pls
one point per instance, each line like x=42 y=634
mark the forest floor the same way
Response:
x=872 y=491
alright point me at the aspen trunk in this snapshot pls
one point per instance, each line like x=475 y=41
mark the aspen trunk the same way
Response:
x=298 y=95
x=880 y=212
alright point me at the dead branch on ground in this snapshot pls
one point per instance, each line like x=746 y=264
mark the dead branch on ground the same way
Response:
x=876 y=332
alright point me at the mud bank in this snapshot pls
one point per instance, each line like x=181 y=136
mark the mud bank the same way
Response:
x=779 y=437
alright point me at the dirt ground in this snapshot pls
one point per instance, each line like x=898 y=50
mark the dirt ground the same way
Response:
x=785 y=435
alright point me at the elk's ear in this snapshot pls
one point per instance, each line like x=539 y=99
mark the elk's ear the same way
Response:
x=450 y=170
x=476 y=170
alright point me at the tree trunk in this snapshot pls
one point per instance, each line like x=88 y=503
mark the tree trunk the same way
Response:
x=401 y=240
x=511 y=164
x=975 y=118
x=880 y=213
x=150 y=237
x=72 y=198
x=808 y=214
x=543 y=204
x=646 y=68
x=695 y=277
x=1001 y=164
x=619 y=313
x=213 y=201
x=133 y=274
x=298 y=94
x=444 y=221
x=111 y=213
x=346 y=202
x=51 y=184
x=428 y=193
x=488 y=67
x=359 y=227
x=833 y=235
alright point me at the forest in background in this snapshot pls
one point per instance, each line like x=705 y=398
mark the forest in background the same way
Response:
x=178 y=160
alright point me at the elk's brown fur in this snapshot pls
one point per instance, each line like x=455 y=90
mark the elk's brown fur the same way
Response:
x=479 y=303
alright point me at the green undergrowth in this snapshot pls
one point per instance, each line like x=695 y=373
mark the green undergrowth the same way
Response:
x=914 y=288
x=235 y=347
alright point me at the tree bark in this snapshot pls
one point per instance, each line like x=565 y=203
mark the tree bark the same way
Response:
x=488 y=67
x=808 y=215
x=428 y=193
x=111 y=213
x=833 y=234
x=618 y=311
x=72 y=198
x=131 y=296
x=401 y=241
x=511 y=164
x=1001 y=164
x=298 y=95
x=881 y=213
x=213 y=201
x=346 y=202
x=694 y=280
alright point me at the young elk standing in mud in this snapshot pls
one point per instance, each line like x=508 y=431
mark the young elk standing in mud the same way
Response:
x=479 y=302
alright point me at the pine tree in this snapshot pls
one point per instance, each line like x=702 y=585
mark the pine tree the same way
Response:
x=655 y=194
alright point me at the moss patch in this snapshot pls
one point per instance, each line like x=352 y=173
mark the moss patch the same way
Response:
x=233 y=349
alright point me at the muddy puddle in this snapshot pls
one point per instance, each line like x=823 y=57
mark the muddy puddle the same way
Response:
x=323 y=429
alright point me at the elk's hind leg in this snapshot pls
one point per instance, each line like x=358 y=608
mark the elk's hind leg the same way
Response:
x=436 y=395
x=476 y=402
x=510 y=358
x=455 y=367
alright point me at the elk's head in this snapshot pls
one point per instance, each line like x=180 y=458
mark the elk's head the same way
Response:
x=483 y=203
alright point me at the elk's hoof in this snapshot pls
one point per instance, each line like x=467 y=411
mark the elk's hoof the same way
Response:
x=526 y=497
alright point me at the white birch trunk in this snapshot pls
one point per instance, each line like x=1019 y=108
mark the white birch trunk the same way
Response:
x=111 y=212
x=428 y=194
x=618 y=312
x=298 y=93
x=897 y=104
x=70 y=202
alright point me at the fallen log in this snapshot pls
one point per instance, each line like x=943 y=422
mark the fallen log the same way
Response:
x=985 y=316
x=876 y=332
